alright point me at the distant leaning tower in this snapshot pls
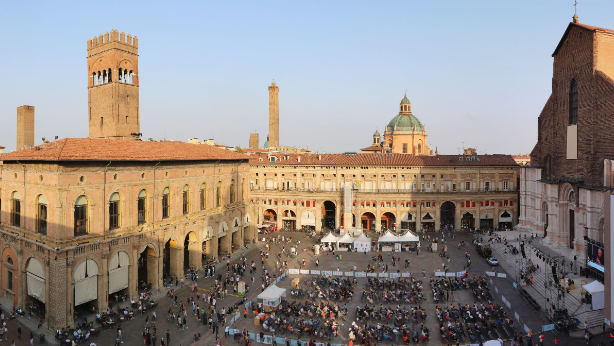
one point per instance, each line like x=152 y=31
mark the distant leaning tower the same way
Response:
x=113 y=86
x=273 y=115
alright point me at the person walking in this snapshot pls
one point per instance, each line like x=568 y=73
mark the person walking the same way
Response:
x=168 y=337
x=120 y=338
x=19 y=332
x=153 y=316
x=154 y=337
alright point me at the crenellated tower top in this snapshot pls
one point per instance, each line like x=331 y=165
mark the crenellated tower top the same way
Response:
x=114 y=37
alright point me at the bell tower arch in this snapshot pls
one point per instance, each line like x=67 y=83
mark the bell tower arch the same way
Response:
x=113 y=86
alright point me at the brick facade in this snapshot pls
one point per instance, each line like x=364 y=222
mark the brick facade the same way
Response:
x=565 y=192
x=113 y=86
x=25 y=127
x=405 y=188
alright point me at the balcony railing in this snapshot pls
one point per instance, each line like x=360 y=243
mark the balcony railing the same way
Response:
x=417 y=191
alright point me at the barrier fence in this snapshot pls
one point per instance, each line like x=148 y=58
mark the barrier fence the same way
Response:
x=380 y=275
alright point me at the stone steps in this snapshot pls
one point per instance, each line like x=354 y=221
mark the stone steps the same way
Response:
x=573 y=305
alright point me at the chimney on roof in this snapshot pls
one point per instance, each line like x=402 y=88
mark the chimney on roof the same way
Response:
x=575 y=18
x=319 y=157
x=298 y=157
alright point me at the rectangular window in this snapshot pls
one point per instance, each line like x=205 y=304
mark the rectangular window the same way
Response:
x=453 y=187
x=114 y=215
x=16 y=213
x=468 y=186
x=506 y=185
x=186 y=202
x=203 y=199
x=404 y=148
x=41 y=219
x=141 y=210
x=80 y=219
x=9 y=276
x=165 y=206
x=487 y=186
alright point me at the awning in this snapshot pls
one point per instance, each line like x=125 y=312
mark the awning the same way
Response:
x=272 y=292
x=118 y=272
x=35 y=276
x=86 y=282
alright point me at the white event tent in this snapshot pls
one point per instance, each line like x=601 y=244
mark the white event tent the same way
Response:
x=596 y=290
x=362 y=243
x=329 y=240
x=272 y=296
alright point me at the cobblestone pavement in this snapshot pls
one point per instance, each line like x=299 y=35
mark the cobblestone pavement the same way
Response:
x=429 y=262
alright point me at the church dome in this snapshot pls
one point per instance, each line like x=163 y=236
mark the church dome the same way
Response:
x=404 y=122
x=405 y=100
x=376 y=134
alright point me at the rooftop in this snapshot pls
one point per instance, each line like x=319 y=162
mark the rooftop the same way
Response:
x=88 y=149
x=376 y=159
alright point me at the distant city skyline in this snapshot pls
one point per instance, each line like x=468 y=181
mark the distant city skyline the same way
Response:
x=476 y=73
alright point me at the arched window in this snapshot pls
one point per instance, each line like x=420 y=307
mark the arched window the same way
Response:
x=186 y=199
x=94 y=79
x=232 y=191
x=419 y=150
x=10 y=260
x=121 y=76
x=16 y=209
x=104 y=76
x=130 y=77
x=41 y=214
x=109 y=74
x=218 y=194
x=203 y=196
x=142 y=207
x=114 y=211
x=81 y=219
x=573 y=102
x=166 y=205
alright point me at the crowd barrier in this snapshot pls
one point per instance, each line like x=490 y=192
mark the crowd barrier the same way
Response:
x=381 y=275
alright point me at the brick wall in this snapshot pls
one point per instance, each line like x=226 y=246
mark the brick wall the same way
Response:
x=578 y=58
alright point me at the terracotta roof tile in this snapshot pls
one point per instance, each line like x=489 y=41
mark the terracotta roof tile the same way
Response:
x=373 y=159
x=372 y=148
x=87 y=149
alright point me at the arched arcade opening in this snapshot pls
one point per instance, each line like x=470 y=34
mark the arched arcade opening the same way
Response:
x=446 y=218
x=328 y=215
x=367 y=221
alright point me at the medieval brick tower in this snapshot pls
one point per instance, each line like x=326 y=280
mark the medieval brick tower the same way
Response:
x=25 y=127
x=273 y=115
x=113 y=86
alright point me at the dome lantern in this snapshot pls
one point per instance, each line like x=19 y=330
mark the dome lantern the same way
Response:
x=405 y=107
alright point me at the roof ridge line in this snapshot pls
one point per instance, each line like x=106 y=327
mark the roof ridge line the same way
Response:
x=62 y=149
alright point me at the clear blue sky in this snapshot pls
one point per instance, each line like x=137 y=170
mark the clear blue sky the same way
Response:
x=477 y=72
